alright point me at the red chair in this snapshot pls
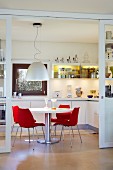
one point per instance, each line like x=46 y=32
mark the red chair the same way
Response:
x=15 y=117
x=60 y=116
x=26 y=120
x=70 y=123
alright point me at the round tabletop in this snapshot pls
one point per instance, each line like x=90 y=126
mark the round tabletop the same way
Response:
x=50 y=110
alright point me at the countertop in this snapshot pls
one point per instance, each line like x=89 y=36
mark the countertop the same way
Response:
x=27 y=98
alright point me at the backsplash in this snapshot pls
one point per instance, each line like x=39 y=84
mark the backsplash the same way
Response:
x=61 y=85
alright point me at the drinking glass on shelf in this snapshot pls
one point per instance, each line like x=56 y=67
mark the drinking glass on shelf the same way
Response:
x=46 y=102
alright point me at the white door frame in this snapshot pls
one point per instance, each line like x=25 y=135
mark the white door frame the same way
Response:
x=8 y=14
x=103 y=143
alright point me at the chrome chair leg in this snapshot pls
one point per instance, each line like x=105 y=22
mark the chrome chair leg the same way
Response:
x=61 y=133
x=55 y=130
x=36 y=132
x=15 y=136
x=43 y=131
x=71 y=136
x=72 y=131
x=21 y=133
x=79 y=134
x=12 y=128
x=29 y=134
x=33 y=139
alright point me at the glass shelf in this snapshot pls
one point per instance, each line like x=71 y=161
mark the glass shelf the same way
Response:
x=73 y=70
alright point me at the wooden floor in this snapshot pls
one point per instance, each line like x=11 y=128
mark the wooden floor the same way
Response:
x=59 y=156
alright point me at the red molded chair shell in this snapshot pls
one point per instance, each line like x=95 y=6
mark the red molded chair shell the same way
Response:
x=15 y=113
x=70 y=122
x=60 y=116
x=73 y=119
x=26 y=120
x=15 y=117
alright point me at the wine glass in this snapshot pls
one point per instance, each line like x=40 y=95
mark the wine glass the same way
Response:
x=46 y=102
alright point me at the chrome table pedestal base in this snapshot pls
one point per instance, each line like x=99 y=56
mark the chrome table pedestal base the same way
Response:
x=48 y=139
x=52 y=141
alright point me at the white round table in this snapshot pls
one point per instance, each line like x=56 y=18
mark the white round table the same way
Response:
x=48 y=112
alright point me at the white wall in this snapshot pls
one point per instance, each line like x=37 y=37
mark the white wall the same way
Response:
x=85 y=84
x=50 y=51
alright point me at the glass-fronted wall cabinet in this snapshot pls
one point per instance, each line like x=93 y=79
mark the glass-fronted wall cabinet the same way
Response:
x=2 y=92
x=5 y=83
x=108 y=61
x=3 y=103
x=75 y=70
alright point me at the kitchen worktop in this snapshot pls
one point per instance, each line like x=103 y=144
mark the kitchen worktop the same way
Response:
x=27 y=98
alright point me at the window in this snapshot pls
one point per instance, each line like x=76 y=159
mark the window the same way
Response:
x=20 y=85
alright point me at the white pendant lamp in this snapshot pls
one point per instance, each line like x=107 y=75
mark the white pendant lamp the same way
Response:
x=37 y=70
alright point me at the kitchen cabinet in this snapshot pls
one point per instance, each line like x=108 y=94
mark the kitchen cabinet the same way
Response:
x=2 y=79
x=109 y=53
x=66 y=70
x=5 y=84
x=109 y=59
x=2 y=67
x=21 y=103
x=92 y=113
x=2 y=90
x=74 y=70
x=2 y=113
x=82 y=112
x=68 y=102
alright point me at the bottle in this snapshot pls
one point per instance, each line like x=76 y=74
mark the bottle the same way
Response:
x=76 y=59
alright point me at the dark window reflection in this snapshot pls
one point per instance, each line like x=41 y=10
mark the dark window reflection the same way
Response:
x=20 y=85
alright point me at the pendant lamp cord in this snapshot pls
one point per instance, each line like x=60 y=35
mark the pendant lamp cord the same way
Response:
x=37 y=50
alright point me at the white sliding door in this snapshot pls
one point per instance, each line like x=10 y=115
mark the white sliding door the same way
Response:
x=5 y=84
x=106 y=84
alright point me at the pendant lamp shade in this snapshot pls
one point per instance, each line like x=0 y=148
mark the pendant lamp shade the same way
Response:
x=37 y=72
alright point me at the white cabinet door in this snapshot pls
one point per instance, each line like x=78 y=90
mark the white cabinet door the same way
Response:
x=22 y=104
x=82 y=112
x=63 y=102
x=92 y=117
x=40 y=104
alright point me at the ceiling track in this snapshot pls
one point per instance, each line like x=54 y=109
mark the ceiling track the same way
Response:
x=57 y=15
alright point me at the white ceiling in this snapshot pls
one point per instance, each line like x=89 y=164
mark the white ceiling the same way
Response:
x=84 y=6
x=53 y=30
x=56 y=30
